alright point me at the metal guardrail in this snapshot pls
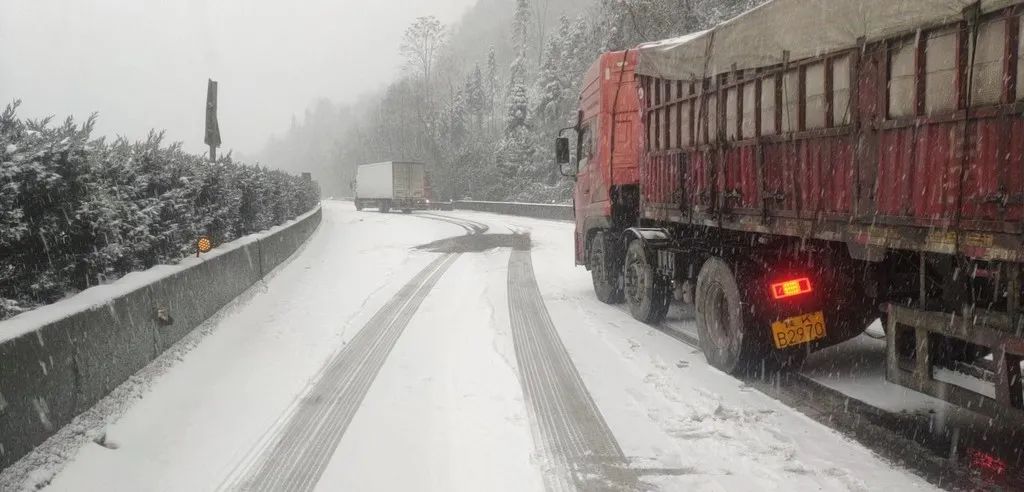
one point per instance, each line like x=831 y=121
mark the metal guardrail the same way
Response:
x=534 y=210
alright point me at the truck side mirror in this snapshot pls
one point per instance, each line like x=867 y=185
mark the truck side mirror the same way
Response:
x=562 y=156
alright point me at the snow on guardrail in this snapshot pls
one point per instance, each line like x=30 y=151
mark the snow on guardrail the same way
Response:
x=535 y=210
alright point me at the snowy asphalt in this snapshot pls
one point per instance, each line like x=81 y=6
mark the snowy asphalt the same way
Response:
x=569 y=429
x=369 y=363
x=300 y=451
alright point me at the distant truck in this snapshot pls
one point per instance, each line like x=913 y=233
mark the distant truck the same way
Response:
x=387 y=185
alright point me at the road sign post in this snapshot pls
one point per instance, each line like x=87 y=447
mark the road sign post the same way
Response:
x=212 y=128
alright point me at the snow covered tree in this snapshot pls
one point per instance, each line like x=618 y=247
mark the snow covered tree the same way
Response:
x=626 y=23
x=518 y=109
x=475 y=96
x=13 y=226
x=516 y=150
x=521 y=27
x=491 y=83
x=421 y=45
x=550 y=85
x=579 y=51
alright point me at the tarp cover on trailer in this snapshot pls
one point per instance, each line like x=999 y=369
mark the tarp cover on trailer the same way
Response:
x=805 y=28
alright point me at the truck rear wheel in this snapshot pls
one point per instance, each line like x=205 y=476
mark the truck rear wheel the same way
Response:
x=722 y=325
x=647 y=294
x=605 y=262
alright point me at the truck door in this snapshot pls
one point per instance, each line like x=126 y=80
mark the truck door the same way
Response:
x=402 y=178
x=584 y=182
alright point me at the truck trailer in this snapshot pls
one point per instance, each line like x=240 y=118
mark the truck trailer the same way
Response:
x=807 y=168
x=387 y=185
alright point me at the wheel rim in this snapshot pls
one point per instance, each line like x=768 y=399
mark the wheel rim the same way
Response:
x=719 y=327
x=597 y=267
x=635 y=277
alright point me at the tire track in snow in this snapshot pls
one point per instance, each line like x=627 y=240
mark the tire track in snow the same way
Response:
x=296 y=456
x=573 y=438
x=471 y=226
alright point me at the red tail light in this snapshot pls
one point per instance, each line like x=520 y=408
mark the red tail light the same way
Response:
x=986 y=462
x=791 y=288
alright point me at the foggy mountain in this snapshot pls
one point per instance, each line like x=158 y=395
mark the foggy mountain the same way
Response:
x=484 y=109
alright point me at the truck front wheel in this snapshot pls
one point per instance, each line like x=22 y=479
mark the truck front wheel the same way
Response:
x=648 y=295
x=605 y=262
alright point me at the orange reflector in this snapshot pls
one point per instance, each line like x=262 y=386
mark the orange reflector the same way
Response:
x=204 y=244
x=791 y=288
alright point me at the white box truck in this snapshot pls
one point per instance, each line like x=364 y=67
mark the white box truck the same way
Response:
x=387 y=185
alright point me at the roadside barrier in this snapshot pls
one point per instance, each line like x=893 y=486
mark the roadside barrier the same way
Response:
x=59 y=360
x=535 y=210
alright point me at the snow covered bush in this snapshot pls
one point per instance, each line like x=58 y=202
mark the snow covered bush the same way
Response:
x=76 y=212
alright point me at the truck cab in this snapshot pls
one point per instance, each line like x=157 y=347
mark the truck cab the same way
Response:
x=608 y=144
x=607 y=150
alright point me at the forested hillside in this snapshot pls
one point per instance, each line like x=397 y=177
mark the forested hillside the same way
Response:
x=481 y=101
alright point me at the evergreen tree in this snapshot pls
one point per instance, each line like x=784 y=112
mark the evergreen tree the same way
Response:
x=518 y=107
x=491 y=82
x=516 y=150
x=475 y=96
x=550 y=85
x=521 y=27
x=578 y=51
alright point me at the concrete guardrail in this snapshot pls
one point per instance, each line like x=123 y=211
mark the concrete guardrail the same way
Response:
x=59 y=360
x=535 y=210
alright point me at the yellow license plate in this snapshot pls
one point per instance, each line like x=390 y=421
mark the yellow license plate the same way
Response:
x=798 y=330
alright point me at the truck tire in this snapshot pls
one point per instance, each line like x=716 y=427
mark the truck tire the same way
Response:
x=605 y=269
x=385 y=206
x=725 y=324
x=647 y=294
x=359 y=206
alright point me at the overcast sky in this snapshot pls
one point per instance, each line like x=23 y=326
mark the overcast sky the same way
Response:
x=144 y=63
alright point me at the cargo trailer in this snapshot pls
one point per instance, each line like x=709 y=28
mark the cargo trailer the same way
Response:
x=388 y=185
x=806 y=168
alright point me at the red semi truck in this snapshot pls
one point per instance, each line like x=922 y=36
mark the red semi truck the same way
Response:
x=806 y=168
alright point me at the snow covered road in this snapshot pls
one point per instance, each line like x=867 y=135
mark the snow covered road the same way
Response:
x=368 y=364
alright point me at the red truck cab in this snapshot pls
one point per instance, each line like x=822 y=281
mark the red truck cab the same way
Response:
x=608 y=146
